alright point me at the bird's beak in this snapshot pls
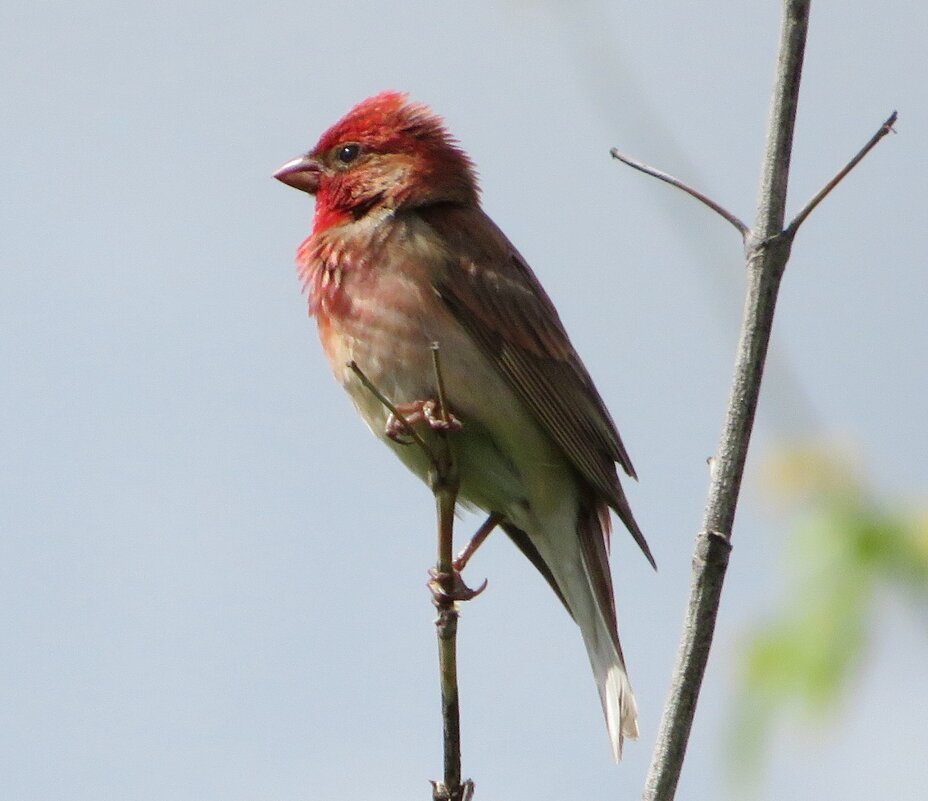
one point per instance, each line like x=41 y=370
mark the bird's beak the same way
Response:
x=301 y=173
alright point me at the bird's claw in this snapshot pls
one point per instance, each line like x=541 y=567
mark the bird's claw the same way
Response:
x=436 y=421
x=419 y=411
x=447 y=587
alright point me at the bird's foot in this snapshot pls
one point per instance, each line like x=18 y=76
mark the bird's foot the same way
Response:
x=418 y=411
x=450 y=587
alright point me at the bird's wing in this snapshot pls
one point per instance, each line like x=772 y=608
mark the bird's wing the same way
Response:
x=496 y=297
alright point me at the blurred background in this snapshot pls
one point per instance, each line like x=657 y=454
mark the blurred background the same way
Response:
x=212 y=577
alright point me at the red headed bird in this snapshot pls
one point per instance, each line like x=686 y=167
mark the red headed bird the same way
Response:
x=401 y=255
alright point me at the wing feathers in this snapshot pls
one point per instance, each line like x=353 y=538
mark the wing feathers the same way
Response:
x=494 y=295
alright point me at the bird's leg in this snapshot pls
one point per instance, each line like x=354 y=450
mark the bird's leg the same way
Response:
x=476 y=541
x=418 y=411
x=451 y=586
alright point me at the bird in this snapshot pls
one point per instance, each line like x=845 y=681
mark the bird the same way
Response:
x=401 y=255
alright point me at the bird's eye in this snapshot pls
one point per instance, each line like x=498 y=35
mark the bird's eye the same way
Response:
x=348 y=153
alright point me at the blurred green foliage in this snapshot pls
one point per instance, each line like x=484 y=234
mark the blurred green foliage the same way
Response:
x=847 y=547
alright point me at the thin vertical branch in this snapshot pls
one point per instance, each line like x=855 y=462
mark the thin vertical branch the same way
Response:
x=446 y=627
x=766 y=260
x=445 y=583
x=771 y=201
x=444 y=481
x=767 y=251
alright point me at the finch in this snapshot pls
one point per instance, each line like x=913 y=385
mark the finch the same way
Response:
x=401 y=256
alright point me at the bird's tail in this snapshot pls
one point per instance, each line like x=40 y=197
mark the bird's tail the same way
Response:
x=615 y=691
x=587 y=592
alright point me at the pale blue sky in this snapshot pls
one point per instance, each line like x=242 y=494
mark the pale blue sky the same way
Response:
x=212 y=576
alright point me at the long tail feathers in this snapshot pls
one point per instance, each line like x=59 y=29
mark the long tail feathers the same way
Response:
x=577 y=567
x=590 y=598
x=615 y=693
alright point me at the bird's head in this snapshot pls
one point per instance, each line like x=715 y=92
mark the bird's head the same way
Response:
x=386 y=153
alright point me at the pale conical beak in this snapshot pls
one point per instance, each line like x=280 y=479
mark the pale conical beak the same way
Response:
x=301 y=173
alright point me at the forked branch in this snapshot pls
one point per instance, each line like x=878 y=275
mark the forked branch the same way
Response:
x=744 y=230
x=767 y=249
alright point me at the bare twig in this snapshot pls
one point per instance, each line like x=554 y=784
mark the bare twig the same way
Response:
x=766 y=259
x=799 y=219
x=667 y=178
x=439 y=383
x=446 y=626
x=444 y=481
x=768 y=247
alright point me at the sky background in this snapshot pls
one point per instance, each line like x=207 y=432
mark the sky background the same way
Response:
x=212 y=577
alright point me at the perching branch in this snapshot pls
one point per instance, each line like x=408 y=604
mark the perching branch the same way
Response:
x=444 y=481
x=445 y=583
x=767 y=249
